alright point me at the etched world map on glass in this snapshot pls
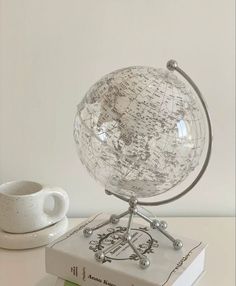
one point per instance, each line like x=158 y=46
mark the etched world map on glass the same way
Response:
x=140 y=131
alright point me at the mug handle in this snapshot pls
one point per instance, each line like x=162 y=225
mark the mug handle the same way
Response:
x=61 y=204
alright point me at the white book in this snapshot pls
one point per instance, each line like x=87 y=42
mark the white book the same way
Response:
x=71 y=257
x=62 y=282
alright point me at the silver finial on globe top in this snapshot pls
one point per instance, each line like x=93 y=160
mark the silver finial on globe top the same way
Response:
x=172 y=65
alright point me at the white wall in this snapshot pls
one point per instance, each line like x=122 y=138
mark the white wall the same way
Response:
x=52 y=51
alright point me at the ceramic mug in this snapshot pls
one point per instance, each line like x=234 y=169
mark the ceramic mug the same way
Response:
x=22 y=206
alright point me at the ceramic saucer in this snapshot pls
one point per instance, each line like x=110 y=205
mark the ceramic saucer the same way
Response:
x=33 y=239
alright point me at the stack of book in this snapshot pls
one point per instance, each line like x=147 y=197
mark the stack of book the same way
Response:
x=71 y=257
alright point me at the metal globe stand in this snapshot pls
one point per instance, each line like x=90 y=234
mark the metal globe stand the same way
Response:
x=133 y=202
x=161 y=226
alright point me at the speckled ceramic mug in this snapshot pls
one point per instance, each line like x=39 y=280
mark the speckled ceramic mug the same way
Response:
x=22 y=206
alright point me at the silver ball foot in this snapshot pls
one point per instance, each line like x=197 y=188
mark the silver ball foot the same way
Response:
x=87 y=232
x=163 y=224
x=114 y=219
x=127 y=237
x=177 y=244
x=155 y=224
x=144 y=262
x=99 y=256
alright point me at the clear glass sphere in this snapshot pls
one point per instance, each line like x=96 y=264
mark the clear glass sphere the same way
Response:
x=140 y=131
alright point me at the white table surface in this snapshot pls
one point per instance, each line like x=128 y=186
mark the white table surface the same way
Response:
x=26 y=267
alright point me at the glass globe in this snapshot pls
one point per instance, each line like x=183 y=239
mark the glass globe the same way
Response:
x=140 y=131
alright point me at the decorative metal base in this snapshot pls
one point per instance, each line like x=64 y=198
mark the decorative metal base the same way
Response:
x=161 y=226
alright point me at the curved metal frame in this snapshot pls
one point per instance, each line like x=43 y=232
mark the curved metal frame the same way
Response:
x=172 y=66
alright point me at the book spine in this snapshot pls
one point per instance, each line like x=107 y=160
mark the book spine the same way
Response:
x=87 y=273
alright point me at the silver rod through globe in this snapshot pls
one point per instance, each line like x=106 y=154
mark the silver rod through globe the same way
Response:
x=172 y=65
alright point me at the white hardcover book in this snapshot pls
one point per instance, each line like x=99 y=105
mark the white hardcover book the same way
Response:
x=62 y=282
x=71 y=257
